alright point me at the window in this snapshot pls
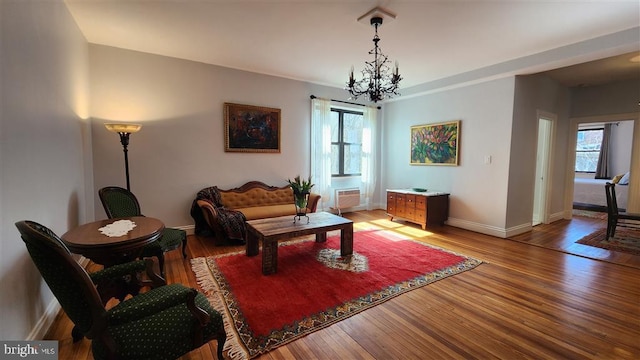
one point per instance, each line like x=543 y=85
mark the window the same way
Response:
x=346 y=142
x=588 y=149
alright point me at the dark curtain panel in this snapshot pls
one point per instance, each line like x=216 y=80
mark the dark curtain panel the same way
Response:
x=602 y=170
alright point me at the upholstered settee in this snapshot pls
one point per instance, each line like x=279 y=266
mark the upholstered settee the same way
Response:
x=222 y=213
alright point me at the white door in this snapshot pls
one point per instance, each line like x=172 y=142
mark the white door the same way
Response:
x=543 y=154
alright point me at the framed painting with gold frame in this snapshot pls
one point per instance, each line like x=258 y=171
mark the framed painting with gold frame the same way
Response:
x=435 y=144
x=253 y=129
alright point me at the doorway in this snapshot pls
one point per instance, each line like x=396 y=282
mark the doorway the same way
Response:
x=543 y=156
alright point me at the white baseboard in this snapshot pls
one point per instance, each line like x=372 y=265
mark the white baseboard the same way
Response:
x=503 y=232
x=559 y=216
x=488 y=229
x=48 y=317
x=518 y=229
x=477 y=227
x=46 y=320
x=190 y=229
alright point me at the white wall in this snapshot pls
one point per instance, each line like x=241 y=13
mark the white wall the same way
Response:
x=478 y=191
x=533 y=94
x=615 y=98
x=44 y=91
x=180 y=148
x=621 y=143
x=499 y=119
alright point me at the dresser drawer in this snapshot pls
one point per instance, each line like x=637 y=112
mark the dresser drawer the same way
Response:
x=421 y=202
x=410 y=201
x=391 y=198
x=400 y=211
x=391 y=209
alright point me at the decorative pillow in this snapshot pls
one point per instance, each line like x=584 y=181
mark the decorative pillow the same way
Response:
x=625 y=179
x=616 y=179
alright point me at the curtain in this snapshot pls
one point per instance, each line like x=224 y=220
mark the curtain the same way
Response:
x=369 y=155
x=602 y=169
x=321 y=150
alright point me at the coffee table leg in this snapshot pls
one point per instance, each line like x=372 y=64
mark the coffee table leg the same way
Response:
x=269 y=257
x=321 y=237
x=252 y=244
x=346 y=240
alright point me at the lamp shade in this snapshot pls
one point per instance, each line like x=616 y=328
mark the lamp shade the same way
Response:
x=123 y=128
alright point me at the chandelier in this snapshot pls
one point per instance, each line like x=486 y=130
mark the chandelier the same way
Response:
x=378 y=80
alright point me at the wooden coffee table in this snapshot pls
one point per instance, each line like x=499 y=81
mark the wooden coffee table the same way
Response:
x=272 y=230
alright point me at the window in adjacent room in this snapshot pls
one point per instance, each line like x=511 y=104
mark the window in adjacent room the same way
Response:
x=588 y=149
x=346 y=142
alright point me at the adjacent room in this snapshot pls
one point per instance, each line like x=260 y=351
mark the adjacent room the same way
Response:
x=603 y=155
x=320 y=179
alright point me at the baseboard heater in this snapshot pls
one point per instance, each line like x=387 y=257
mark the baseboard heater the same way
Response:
x=346 y=198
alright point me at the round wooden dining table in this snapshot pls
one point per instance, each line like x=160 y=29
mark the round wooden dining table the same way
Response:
x=87 y=240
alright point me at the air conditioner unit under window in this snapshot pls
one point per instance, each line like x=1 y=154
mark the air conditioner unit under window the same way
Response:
x=346 y=198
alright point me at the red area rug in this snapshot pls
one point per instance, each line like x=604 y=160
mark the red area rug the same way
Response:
x=625 y=240
x=315 y=287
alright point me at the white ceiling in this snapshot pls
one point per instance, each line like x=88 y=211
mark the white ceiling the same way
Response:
x=319 y=40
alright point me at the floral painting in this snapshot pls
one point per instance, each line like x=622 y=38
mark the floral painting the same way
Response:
x=435 y=144
x=251 y=128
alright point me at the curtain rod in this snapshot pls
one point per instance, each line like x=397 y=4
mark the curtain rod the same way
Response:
x=340 y=101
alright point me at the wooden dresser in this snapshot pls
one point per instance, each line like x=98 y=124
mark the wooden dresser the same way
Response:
x=431 y=207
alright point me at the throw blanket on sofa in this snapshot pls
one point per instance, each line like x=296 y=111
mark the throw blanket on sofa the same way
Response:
x=231 y=221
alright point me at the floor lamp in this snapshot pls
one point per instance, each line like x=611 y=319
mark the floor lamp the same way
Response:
x=124 y=130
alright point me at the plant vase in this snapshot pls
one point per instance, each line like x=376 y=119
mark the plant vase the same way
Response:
x=301 y=190
x=300 y=199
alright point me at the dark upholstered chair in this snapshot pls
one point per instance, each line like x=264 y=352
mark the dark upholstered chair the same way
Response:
x=162 y=323
x=614 y=216
x=119 y=202
x=121 y=280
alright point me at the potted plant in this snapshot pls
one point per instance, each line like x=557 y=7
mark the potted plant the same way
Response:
x=301 y=190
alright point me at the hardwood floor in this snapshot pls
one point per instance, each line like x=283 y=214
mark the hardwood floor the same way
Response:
x=523 y=302
x=562 y=237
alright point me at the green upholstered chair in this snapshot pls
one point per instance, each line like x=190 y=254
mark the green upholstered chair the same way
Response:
x=119 y=202
x=162 y=323
x=121 y=280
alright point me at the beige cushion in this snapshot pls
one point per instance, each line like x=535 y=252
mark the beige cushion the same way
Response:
x=261 y=212
x=256 y=197
x=616 y=178
x=260 y=203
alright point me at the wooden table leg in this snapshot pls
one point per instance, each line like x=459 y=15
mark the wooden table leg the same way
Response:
x=346 y=240
x=269 y=256
x=321 y=237
x=252 y=244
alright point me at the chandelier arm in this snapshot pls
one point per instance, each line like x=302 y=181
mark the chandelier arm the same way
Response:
x=378 y=79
